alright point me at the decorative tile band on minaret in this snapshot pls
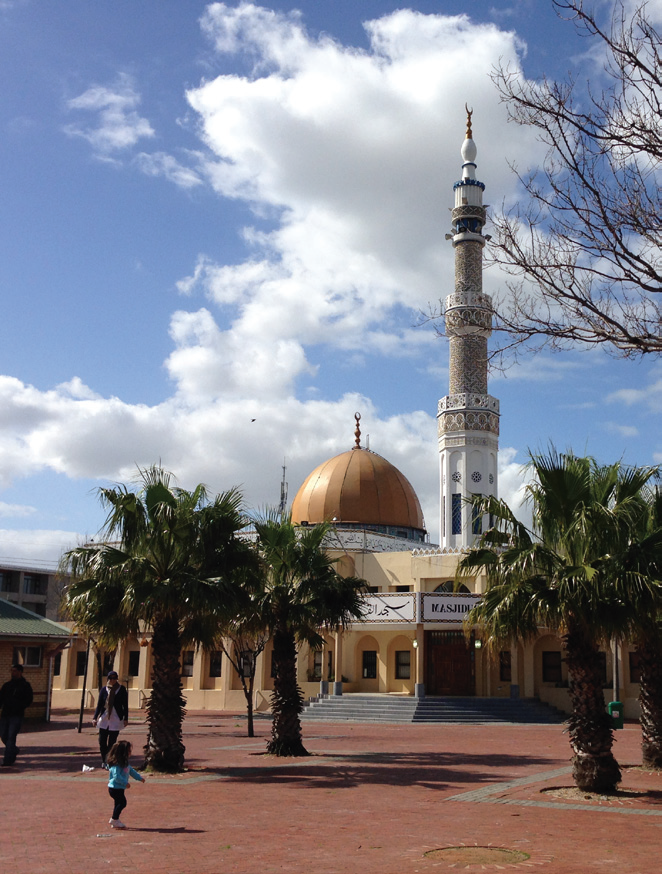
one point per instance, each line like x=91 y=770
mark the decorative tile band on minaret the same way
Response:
x=468 y=416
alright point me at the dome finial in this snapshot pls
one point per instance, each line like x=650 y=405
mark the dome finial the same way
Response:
x=470 y=112
x=357 y=433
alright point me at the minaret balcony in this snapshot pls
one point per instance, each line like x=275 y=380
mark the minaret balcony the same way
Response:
x=466 y=320
x=468 y=401
x=469 y=211
x=468 y=299
x=468 y=237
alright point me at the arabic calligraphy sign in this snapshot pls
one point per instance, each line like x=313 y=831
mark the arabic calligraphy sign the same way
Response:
x=390 y=608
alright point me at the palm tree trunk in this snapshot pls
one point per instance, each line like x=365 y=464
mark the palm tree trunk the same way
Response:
x=164 y=750
x=650 y=700
x=286 y=700
x=594 y=767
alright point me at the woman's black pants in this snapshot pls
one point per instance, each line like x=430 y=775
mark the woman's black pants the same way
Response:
x=106 y=739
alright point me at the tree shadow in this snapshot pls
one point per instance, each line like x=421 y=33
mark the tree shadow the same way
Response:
x=436 y=771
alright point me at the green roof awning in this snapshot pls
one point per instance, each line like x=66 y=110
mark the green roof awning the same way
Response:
x=16 y=621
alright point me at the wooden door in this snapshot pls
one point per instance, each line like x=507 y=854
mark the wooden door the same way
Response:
x=449 y=664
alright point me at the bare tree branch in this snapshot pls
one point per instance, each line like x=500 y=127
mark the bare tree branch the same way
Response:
x=583 y=249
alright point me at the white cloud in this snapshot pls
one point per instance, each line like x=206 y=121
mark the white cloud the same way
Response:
x=76 y=388
x=39 y=546
x=649 y=397
x=162 y=164
x=358 y=151
x=622 y=430
x=513 y=478
x=352 y=155
x=15 y=510
x=118 y=124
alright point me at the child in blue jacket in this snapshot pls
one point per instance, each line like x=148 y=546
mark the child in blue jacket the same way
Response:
x=119 y=773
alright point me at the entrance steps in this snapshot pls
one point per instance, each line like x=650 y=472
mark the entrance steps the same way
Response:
x=396 y=709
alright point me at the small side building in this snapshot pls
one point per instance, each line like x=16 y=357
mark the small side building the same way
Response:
x=34 y=642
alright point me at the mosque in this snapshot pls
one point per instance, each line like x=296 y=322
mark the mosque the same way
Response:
x=411 y=641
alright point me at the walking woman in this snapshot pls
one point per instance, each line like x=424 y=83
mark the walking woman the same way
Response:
x=111 y=715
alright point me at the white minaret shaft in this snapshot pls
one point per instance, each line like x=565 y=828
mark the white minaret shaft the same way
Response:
x=468 y=416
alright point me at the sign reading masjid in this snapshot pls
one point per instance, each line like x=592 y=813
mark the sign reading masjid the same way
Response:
x=418 y=607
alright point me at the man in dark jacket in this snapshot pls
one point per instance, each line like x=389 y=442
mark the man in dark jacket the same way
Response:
x=15 y=697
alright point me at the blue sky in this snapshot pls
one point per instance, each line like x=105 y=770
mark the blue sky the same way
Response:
x=214 y=213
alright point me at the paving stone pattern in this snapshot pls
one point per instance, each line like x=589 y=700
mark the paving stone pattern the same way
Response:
x=372 y=799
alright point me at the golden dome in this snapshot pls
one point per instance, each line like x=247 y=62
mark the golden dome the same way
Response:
x=360 y=489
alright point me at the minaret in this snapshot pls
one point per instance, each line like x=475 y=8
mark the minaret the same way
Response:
x=468 y=416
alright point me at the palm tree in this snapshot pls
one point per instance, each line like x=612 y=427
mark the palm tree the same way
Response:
x=643 y=559
x=169 y=559
x=562 y=575
x=301 y=594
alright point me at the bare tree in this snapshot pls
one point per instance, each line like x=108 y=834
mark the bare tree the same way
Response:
x=584 y=248
x=242 y=649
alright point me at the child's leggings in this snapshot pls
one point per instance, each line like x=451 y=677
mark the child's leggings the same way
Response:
x=120 y=801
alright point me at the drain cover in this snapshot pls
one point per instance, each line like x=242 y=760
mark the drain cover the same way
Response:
x=477 y=855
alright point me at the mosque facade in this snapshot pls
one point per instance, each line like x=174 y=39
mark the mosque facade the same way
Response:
x=411 y=640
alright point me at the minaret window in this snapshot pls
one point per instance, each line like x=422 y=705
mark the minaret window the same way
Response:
x=476 y=476
x=456 y=514
x=456 y=477
x=476 y=520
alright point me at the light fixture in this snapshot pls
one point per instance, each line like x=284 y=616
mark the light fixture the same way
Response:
x=478 y=644
x=414 y=643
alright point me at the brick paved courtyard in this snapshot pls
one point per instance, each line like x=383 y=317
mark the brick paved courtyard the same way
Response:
x=379 y=799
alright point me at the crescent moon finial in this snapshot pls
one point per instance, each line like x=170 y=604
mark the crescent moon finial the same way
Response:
x=470 y=112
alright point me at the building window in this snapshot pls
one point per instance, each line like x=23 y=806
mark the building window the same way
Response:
x=81 y=661
x=505 y=668
x=635 y=667
x=39 y=609
x=57 y=665
x=402 y=664
x=403 y=588
x=215 y=663
x=450 y=587
x=273 y=666
x=329 y=672
x=30 y=656
x=476 y=520
x=456 y=514
x=108 y=662
x=187 y=663
x=7 y=582
x=373 y=589
x=551 y=667
x=318 y=657
x=134 y=662
x=32 y=584
x=246 y=660
x=370 y=664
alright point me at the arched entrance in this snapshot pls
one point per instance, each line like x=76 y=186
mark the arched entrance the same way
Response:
x=449 y=663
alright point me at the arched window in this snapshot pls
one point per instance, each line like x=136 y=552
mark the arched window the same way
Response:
x=449 y=588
